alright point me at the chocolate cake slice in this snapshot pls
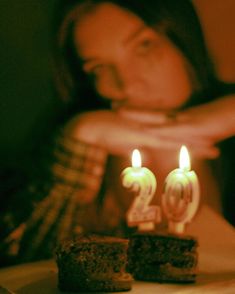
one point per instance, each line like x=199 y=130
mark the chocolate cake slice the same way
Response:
x=93 y=263
x=163 y=258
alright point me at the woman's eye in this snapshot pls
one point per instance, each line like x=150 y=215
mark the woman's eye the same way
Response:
x=145 y=46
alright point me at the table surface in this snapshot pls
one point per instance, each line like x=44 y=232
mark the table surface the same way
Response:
x=216 y=269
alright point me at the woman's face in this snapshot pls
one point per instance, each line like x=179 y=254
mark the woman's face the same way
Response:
x=132 y=65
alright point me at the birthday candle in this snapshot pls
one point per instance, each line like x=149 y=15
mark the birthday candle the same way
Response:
x=141 y=180
x=181 y=195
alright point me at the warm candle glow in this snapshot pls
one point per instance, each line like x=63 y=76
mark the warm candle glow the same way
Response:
x=181 y=195
x=142 y=181
x=184 y=161
x=136 y=158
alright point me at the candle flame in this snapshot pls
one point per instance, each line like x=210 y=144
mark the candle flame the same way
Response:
x=136 y=158
x=184 y=161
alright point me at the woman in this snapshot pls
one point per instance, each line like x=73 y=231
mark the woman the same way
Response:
x=134 y=74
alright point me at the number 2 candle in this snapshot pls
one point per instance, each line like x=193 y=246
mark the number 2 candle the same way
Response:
x=181 y=195
x=141 y=180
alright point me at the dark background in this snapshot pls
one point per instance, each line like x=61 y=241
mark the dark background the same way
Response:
x=27 y=96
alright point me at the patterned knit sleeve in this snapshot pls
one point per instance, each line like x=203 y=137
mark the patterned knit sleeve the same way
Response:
x=74 y=180
x=79 y=165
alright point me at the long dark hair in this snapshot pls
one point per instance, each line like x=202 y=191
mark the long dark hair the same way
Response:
x=175 y=19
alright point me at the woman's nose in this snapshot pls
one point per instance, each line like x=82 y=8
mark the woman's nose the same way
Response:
x=128 y=80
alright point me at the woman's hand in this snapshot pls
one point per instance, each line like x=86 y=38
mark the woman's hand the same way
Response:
x=121 y=131
x=213 y=122
x=209 y=123
x=117 y=134
x=200 y=128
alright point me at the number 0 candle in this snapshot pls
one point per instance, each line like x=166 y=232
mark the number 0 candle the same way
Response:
x=181 y=195
x=141 y=180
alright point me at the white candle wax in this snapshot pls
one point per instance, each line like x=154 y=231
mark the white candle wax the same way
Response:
x=141 y=180
x=181 y=195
